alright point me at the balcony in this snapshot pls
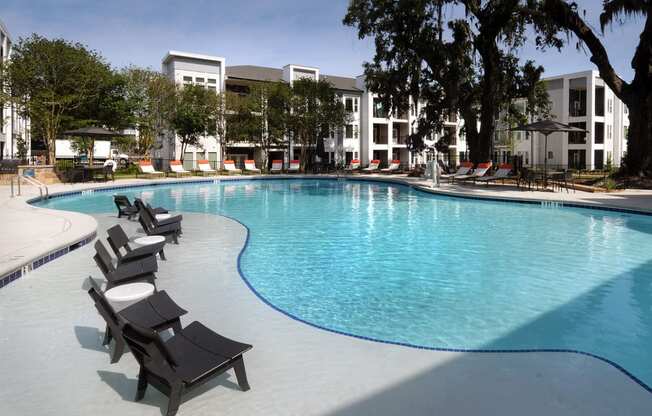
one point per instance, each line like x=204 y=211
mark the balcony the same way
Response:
x=400 y=140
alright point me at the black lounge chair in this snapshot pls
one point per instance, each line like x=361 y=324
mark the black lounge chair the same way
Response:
x=158 y=312
x=142 y=269
x=187 y=360
x=127 y=209
x=169 y=227
x=118 y=240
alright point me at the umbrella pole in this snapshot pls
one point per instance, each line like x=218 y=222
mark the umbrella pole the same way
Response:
x=545 y=163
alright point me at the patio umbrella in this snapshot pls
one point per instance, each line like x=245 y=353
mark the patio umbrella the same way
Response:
x=97 y=133
x=547 y=127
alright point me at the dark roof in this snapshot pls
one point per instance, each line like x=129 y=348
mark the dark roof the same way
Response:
x=263 y=73
x=91 y=131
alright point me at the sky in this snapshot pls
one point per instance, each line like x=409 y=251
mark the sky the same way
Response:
x=252 y=32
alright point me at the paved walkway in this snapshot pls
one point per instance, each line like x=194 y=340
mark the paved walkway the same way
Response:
x=54 y=364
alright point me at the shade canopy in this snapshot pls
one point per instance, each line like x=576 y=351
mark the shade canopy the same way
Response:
x=547 y=127
x=97 y=132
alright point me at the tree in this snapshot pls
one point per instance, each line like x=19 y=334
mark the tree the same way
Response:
x=151 y=97
x=195 y=114
x=636 y=94
x=449 y=64
x=49 y=80
x=314 y=112
x=270 y=104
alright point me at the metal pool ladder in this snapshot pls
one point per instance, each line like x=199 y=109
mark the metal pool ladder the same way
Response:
x=42 y=188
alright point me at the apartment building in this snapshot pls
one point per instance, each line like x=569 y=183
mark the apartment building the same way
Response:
x=582 y=100
x=12 y=127
x=371 y=133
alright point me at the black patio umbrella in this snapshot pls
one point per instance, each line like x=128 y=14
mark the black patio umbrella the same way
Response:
x=97 y=132
x=547 y=127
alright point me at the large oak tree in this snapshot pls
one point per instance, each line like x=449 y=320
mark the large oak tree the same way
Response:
x=463 y=60
x=636 y=94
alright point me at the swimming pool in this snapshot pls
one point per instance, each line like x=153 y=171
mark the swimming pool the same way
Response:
x=391 y=263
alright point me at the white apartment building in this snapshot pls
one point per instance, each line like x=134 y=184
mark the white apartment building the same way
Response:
x=371 y=132
x=12 y=127
x=582 y=100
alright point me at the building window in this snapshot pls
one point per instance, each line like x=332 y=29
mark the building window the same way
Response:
x=575 y=137
x=598 y=159
x=187 y=80
x=348 y=131
x=551 y=155
x=577 y=159
x=379 y=111
x=610 y=105
x=212 y=81
x=599 y=101
x=355 y=105
x=577 y=97
x=598 y=133
x=348 y=105
x=608 y=131
x=199 y=80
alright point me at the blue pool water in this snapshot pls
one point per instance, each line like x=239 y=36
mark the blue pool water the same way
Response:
x=395 y=264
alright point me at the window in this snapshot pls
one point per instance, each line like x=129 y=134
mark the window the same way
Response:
x=577 y=97
x=598 y=133
x=212 y=88
x=348 y=131
x=379 y=111
x=599 y=101
x=199 y=80
x=551 y=155
x=577 y=159
x=348 y=104
x=610 y=106
x=598 y=159
x=575 y=137
x=212 y=81
x=355 y=132
x=187 y=80
x=355 y=105
x=608 y=131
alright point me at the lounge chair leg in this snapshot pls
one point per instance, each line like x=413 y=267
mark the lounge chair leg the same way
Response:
x=175 y=399
x=175 y=238
x=142 y=384
x=241 y=374
x=107 y=336
x=161 y=254
x=118 y=350
x=176 y=326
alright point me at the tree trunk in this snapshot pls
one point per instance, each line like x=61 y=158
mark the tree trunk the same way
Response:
x=639 y=137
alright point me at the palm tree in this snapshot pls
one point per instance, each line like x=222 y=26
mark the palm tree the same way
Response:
x=636 y=94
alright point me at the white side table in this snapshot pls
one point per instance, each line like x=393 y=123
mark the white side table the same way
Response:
x=151 y=239
x=125 y=295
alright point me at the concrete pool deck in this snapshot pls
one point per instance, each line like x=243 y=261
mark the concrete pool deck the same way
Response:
x=53 y=361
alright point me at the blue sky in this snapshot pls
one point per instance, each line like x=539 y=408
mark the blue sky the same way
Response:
x=256 y=32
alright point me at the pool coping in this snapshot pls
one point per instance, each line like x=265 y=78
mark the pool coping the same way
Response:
x=76 y=243
x=9 y=274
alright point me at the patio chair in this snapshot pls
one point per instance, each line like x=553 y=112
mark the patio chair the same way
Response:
x=354 y=166
x=373 y=166
x=125 y=207
x=167 y=228
x=118 y=240
x=478 y=172
x=445 y=169
x=205 y=168
x=229 y=166
x=393 y=167
x=142 y=269
x=176 y=169
x=295 y=165
x=183 y=362
x=147 y=169
x=464 y=169
x=277 y=166
x=501 y=174
x=139 y=204
x=157 y=312
x=250 y=166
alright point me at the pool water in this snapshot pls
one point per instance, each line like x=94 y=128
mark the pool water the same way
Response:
x=395 y=264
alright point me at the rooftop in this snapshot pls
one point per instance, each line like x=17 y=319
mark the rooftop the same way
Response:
x=263 y=73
